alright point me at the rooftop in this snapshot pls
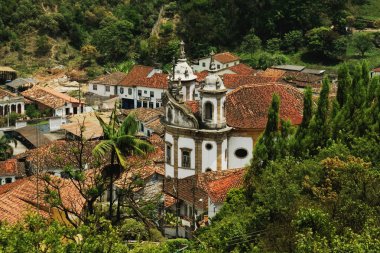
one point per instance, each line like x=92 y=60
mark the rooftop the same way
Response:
x=289 y=67
x=247 y=106
x=242 y=69
x=48 y=97
x=226 y=57
x=275 y=74
x=11 y=167
x=219 y=188
x=233 y=81
x=110 y=79
x=137 y=72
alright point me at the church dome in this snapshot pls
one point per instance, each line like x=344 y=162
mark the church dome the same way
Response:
x=213 y=82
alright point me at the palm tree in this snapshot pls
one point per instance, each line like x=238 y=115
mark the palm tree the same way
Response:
x=6 y=150
x=119 y=141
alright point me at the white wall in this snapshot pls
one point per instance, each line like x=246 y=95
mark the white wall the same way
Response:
x=225 y=154
x=204 y=64
x=209 y=157
x=132 y=93
x=213 y=208
x=235 y=143
x=187 y=143
x=101 y=90
x=169 y=169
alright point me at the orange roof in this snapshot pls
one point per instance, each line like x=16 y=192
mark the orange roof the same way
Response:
x=193 y=106
x=5 y=93
x=11 y=167
x=219 y=188
x=111 y=79
x=137 y=72
x=22 y=197
x=226 y=57
x=233 y=81
x=202 y=75
x=158 y=81
x=276 y=74
x=247 y=106
x=48 y=97
x=376 y=69
x=242 y=69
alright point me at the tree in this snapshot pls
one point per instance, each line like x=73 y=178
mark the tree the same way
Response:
x=119 y=141
x=89 y=53
x=251 y=43
x=43 y=45
x=344 y=82
x=362 y=42
x=293 y=40
x=6 y=150
x=273 y=45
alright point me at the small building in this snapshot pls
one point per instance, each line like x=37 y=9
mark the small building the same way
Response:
x=20 y=84
x=7 y=74
x=375 y=72
x=222 y=61
x=11 y=170
x=10 y=102
x=62 y=105
x=143 y=87
x=107 y=85
x=149 y=120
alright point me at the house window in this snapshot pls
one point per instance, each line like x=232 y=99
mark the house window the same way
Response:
x=157 y=105
x=129 y=91
x=151 y=104
x=208 y=111
x=139 y=92
x=145 y=92
x=186 y=162
x=121 y=90
x=8 y=180
x=142 y=128
x=241 y=153
x=148 y=133
x=185 y=209
x=108 y=88
x=168 y=153
x=152 y=94
x=203 y=64
x=94 y=87
x=227 y=65
x=138 y=104
x=218 y=66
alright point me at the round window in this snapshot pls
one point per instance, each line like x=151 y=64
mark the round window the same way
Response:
x=208 y=146
x=241 y=153
x=208 y=170
x=121 y=90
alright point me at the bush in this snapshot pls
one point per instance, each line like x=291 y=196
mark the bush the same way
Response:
x=43 y=46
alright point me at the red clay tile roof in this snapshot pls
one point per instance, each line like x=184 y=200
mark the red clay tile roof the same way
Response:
x=11 y=167
x=5 y=93
x=302 y=79
x=226 y=57
x=233 y=81
x=219 y=188
x=143 y=114
x=168 y=200
x=275 y=74
x=242 y=69
x=111 y=79
x=247 y=106
x=202 y=75
x=193 y=106
x=201 y=183
x=137 y=72
x=48 y=97
x=158 y=81
x=376 y=69
x=20 y=198
x=156 y=126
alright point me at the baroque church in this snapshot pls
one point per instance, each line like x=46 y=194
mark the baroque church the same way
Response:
x=200 y=136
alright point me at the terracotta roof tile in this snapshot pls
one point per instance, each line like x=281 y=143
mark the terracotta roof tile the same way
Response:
x=20 y=198
x=168 y=200
x=301 y=79
x=233 y=81
x=158 y=81
x=143 y=114
x=275 y=74
x=137 y=72
x=11 y=167
x=5 y=93
x=247 y=106
x=202 y=75
x=196 y=186
x=111 y=79
x=226 y=57
x=156 y=126
x=219 y=188
x=376 y=69
x=48 y=97
x=193 y=106
x=242 y=69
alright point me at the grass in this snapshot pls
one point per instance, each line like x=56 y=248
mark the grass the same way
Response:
x=371 y=10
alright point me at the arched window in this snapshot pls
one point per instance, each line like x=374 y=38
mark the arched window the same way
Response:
x=208 y=111
x=19 y=108
x=13 y=108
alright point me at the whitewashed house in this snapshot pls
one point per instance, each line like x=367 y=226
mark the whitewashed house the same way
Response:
x=107 y=85
x=222 y=61
x=10 y=102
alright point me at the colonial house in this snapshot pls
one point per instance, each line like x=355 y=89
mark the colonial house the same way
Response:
x=11 y=170
x=143 y=87
x=10 y=102
x=196 y=199
x=218 y=132
x=107 y=85
x=149 y=120
x=61 y=104
x=222 y=61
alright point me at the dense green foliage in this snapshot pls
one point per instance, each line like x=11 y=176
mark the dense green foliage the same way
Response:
x=317 y=189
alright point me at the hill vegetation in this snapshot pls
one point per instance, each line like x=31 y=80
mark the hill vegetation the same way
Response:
x=94 y=35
